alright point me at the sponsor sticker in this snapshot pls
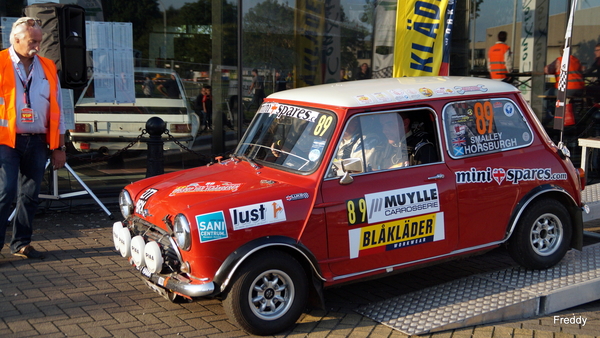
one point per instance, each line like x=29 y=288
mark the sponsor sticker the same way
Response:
x=296 y=197
x=363 y=99
x=215 y=186
x=513 y=175
x=211 y=226
x=508 y=109
x=402 y=203
x=426 y=92
x=443 y=91
x=141 y=203
x=398 y=94
x=249 y=216
x=282 y=110
x=382 y=97
x=467 y=89
x=397 y=234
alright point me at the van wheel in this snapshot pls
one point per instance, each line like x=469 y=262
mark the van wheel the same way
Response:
x=542 y=236
x=268 y=294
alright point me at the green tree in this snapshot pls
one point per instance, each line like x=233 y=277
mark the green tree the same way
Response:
x=143 y=14
x=269 y=35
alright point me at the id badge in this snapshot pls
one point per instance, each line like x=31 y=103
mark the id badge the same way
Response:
x=27 y=115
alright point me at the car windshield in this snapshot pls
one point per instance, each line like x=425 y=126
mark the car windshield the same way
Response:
x=287 y=136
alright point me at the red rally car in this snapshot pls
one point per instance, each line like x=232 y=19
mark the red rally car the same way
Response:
x=338 y=182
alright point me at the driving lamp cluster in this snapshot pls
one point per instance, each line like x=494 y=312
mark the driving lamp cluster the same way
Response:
x=142 y=253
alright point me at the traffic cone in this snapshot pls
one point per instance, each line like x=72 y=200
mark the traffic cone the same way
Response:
x=569 y=116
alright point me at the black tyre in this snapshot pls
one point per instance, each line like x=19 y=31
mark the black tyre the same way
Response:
x=268 y=293
x=542 y=235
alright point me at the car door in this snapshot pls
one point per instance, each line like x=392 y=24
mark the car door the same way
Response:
x=387 y=217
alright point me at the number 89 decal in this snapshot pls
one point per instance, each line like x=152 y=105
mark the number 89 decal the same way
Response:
x=357 y=211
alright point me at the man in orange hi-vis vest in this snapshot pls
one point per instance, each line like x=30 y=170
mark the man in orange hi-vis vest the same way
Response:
x=499 y=60
x=575 y=83
x=31 y=128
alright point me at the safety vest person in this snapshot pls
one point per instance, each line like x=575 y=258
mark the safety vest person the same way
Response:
x=575 y=82
x=499 y=61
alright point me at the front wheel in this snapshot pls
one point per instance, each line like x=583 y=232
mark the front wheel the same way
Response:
x=268 y=294
x=542 y=236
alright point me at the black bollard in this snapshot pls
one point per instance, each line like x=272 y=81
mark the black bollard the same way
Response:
x=155 y=126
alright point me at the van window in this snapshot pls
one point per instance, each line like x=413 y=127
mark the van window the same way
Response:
x=484 y=126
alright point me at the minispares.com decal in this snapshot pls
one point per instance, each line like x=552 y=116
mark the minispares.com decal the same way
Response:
x=513 y=176
x=397 y=234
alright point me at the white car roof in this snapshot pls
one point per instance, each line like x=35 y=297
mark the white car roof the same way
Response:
x=379 y=91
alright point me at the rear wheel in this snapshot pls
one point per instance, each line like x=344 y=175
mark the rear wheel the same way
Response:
x=268 y=294
x=542 y=236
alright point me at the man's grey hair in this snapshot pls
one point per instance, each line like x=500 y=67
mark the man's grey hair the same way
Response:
x=19 y=29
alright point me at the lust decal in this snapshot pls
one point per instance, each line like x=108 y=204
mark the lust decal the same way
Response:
x=249 y=216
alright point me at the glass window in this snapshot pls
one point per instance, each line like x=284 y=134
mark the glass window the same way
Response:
x=484 y=126
x=387 y=141
x=287 y=136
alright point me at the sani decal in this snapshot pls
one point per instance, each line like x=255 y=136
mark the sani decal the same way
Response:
x=509 y=175
x=401 y=203
x=211 y=226
x=217 y=186
x=396 y=234
x=257 y=214
x=141 y=203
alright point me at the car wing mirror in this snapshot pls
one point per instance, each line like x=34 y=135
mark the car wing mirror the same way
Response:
x=350 y=166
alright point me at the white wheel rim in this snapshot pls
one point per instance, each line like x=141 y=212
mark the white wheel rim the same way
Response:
x=271 y=294
x=546 y=234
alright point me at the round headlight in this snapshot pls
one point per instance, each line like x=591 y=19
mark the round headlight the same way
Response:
x=125 y=203
x=181 y=226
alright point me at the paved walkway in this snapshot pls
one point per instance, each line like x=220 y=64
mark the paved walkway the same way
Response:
x=85 y=289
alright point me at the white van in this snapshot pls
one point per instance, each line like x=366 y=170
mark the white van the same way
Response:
x=109 y=127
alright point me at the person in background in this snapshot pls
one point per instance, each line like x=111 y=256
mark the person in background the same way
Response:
x=343 y=75
x=31 y=127
x=257 y=89
x=575 y=83
x=169 y=88
x=364 y=72
x=280 y=82
x=199 y=107
x=499 y=59
x=148 y=87
x=207 y=106
x=593 y=89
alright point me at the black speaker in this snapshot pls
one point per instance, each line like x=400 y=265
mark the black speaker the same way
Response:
x=63 y=40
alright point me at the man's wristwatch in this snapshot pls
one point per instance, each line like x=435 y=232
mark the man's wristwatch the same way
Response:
x=61 y=148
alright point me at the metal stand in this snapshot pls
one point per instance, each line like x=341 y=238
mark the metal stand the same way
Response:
x=56 y=196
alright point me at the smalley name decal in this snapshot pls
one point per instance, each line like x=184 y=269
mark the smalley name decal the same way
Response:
x=396 y=234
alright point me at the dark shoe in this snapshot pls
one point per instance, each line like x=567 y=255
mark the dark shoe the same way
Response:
x=29 y=252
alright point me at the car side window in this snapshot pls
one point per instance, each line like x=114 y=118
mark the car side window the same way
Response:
x=484 y=126
x=386 y=141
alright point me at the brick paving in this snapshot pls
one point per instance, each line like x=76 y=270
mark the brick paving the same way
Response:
x=85 y=289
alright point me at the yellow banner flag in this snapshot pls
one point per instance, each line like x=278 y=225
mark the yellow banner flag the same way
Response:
x=419 y=47
x=310 y=23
